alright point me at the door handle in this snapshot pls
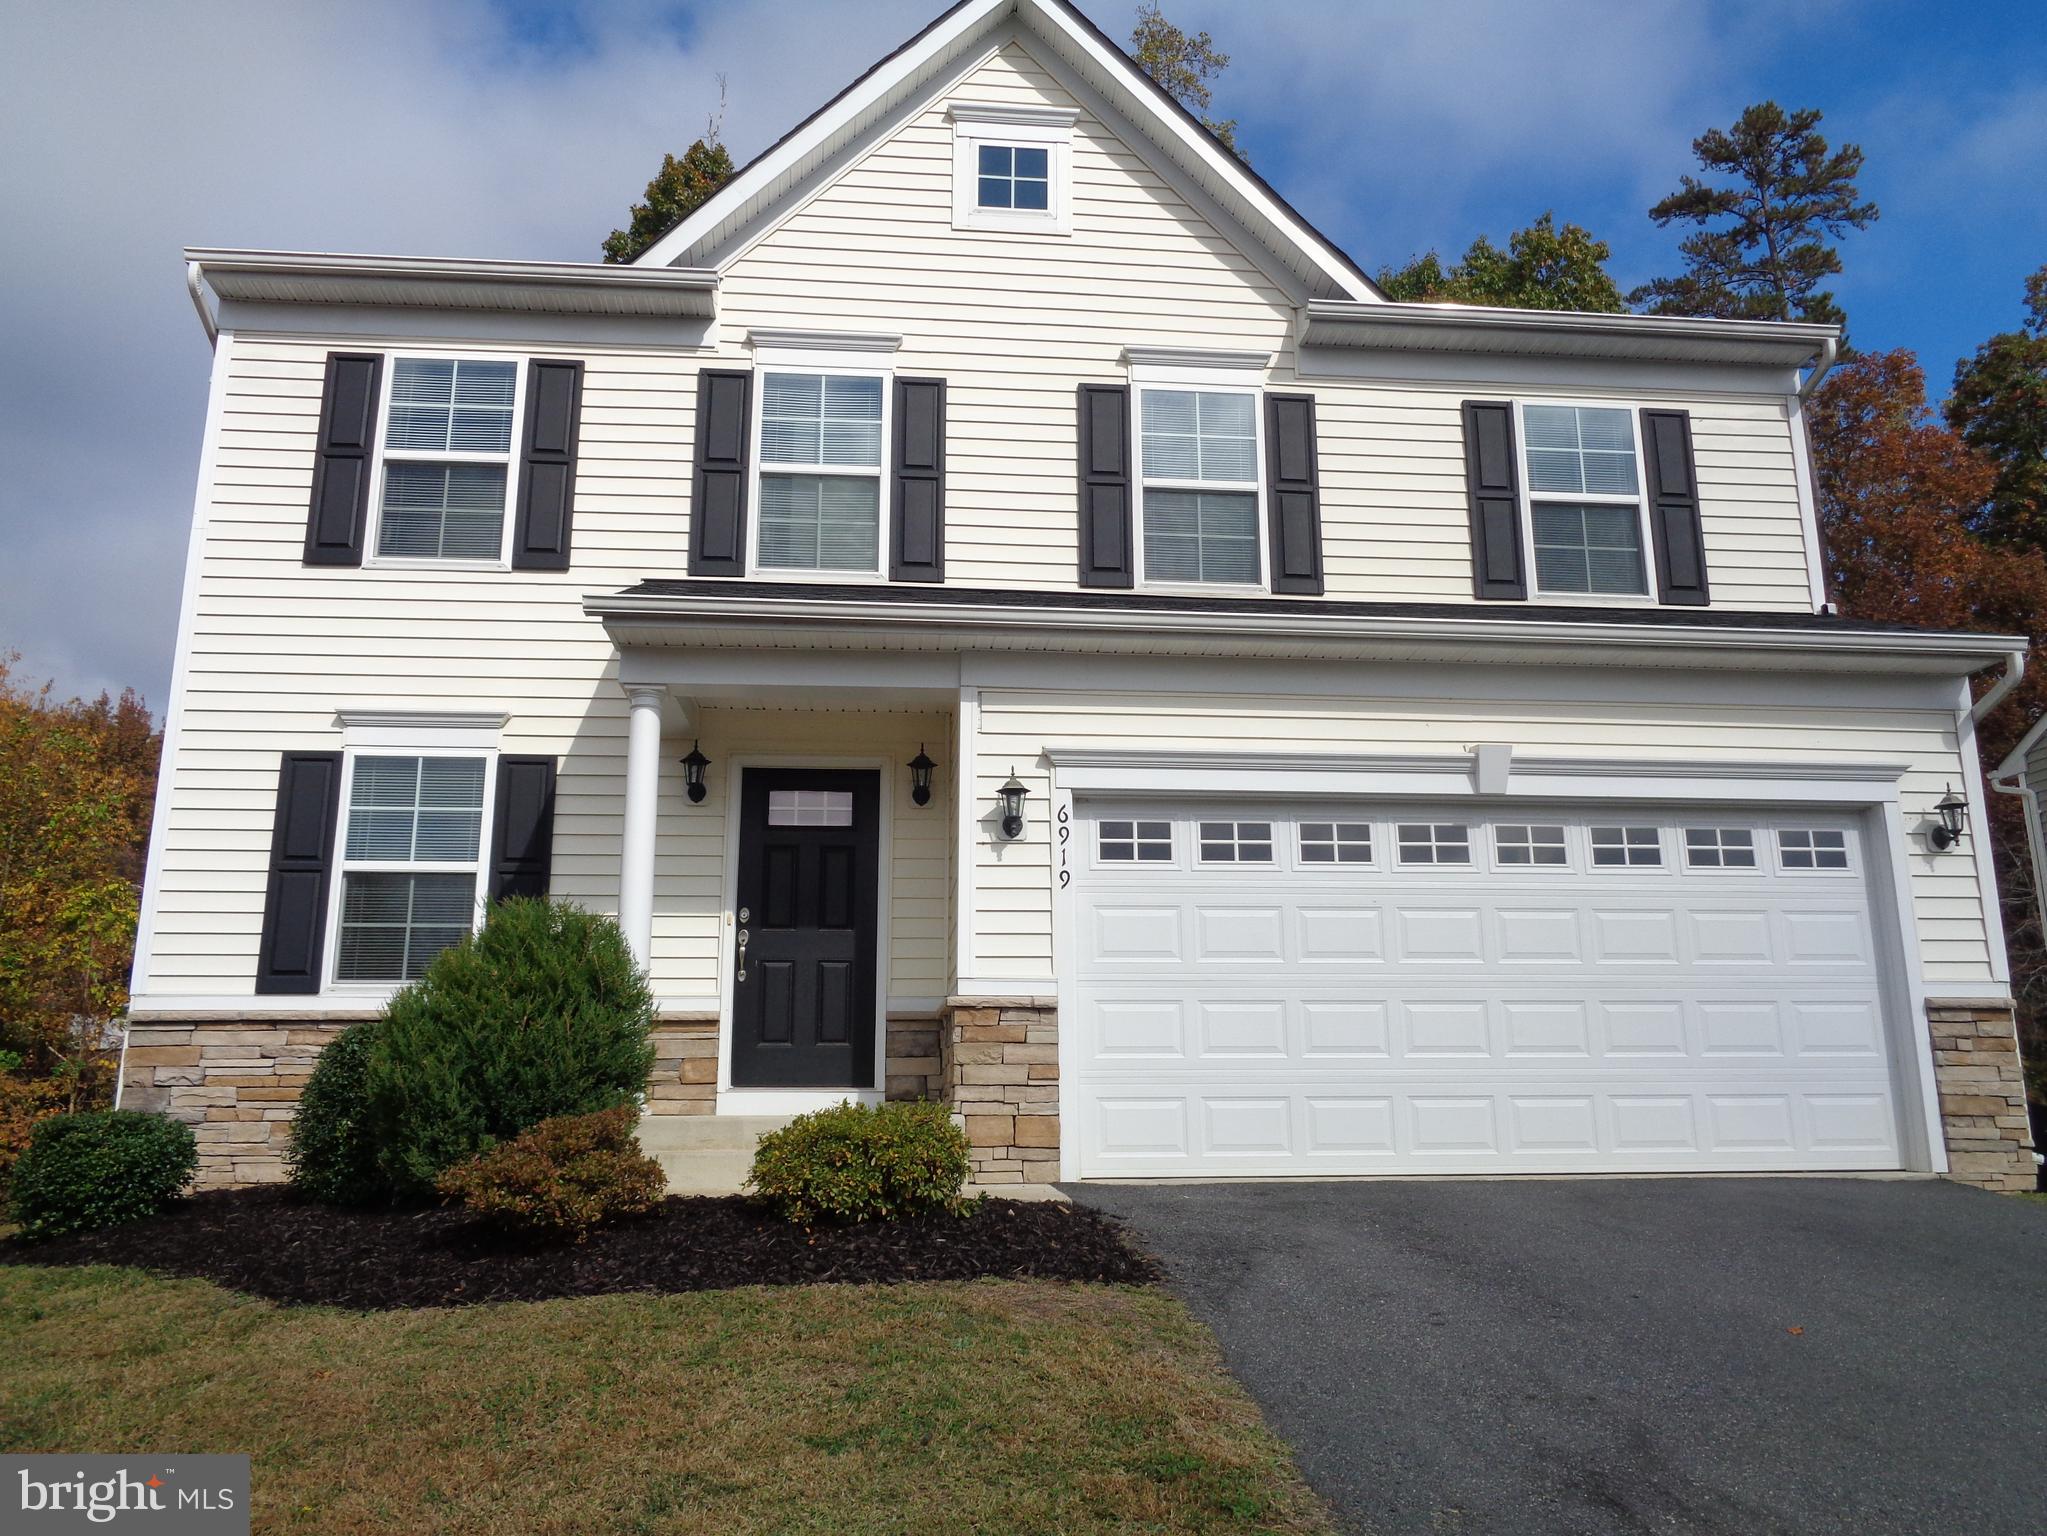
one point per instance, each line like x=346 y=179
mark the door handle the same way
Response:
x=742 y=956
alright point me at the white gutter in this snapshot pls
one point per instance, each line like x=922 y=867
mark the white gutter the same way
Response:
x=1975 y=651
x=1829 y=351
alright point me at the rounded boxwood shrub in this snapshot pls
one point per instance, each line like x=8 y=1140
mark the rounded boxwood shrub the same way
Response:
x=541 y=1013
x=332 y=1157
x=858 y=1162
x=562 y=1178
x=96 y=1169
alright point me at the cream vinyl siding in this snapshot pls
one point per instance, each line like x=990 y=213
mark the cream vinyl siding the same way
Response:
x=1013 y=882
x=1015 y=322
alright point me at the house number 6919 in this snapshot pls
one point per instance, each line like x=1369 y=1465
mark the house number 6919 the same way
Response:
x=1065 y=837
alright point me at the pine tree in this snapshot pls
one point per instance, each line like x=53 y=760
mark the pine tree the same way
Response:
x=1182 y=65
x=1999 y=407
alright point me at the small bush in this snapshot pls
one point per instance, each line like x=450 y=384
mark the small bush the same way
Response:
x=96 y=1169
x=862 y=1163
x=561 y=1178
x=542 y=1013
x=332 y=1157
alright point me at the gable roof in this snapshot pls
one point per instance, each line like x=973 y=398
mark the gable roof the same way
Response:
x=919 y=66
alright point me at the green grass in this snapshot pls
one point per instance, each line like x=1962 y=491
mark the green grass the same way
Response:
x=988 y=1407
x=2038 y=1197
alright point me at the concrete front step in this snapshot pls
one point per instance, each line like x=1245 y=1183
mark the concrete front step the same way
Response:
x=705 y=1154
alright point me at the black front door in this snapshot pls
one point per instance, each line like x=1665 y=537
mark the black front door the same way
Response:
x=803 y=990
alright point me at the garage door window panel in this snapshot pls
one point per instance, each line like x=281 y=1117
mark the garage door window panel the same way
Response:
x=1720 y=848
x=1627 y=848
x=1336 y=842
x=1135 y=842
x=1236 y=842
x=1434 y=842
x=1530 y=845
x=1812 y=850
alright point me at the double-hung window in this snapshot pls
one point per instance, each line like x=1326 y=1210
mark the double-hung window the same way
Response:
x=412 y=876
x=1585 y=500
x=447 y=458
x=1199 y=458
x=820 y=481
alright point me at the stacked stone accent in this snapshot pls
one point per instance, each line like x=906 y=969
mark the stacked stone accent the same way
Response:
x=1982 y=1094
x=235 y=1083
x=912 y=1063
x=685 y=1080
x=999 y=1063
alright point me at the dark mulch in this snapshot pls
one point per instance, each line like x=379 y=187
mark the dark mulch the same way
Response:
x=269 y=1243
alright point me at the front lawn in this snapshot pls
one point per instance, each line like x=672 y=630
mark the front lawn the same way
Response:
x=986 y=1406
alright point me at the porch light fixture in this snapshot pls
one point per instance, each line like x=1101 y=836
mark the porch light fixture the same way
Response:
x=920 y=777
x=1953 y=811
x=693 y=768
x=1012 y=795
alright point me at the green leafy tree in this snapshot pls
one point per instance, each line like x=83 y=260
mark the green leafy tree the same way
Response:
x=1999 y=406
x=678 y=189
x=1761 y=247
x=1182 y=65
x=1543 y=267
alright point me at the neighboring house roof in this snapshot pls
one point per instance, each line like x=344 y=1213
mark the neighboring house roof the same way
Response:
x=2014 y=760
x=772 y=182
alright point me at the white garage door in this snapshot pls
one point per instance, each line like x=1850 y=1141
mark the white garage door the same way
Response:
x=1318 y=990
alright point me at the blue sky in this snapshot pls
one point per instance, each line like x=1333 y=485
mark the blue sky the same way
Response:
x=523 y=128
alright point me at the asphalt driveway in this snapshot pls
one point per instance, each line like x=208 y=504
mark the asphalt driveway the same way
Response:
x=1702 y=1355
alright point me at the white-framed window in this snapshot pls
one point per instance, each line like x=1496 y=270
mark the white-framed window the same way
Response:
x=819 y=438
x=1801 y=848
x=1012 y=168
x=446 y=432
x=411 y=877
x=1626 y=847
x=1527 y=843
x=1135 y=842
x=1336 y=842
x=1588 y=532
x=1236 y=842
x=1720 y=848
x=1200 y=467
x=1433 y=842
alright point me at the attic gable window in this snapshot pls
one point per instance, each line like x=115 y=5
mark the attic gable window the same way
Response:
x=1011 y=167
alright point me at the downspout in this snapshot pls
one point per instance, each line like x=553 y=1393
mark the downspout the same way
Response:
x=1830 y=349
x=2014 y=669
x=193 y=281
x=2031 y=803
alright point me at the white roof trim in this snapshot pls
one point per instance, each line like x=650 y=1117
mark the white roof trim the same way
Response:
x=1068 y=34
x=1195 y=357
x=2015 y=759
x=433 y=282
x=1562 y=333
x=1009 y=115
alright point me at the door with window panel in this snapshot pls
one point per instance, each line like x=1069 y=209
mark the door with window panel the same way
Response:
x=1274 y=988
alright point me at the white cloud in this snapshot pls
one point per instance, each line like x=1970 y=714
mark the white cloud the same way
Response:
x=130 y=131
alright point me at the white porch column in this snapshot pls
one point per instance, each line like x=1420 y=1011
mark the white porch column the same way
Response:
x=642 y=799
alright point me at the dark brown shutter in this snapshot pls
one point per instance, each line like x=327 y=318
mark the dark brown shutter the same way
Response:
x=301 y=864
x=1493 y=484
x=342 y=460
x=917 y=496
x=1674 y=507
x=1294 y=497
x=547 y=478
x=522 y=828
x=1106 y=556
x=717 y=521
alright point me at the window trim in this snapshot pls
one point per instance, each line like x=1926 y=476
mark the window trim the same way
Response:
x=513 y=459
x=864 y=365
x=1648 y=596
x=1049 y=128
x=1142 y=381
x=352 y=753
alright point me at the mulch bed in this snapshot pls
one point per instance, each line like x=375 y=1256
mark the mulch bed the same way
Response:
x=269 y=1243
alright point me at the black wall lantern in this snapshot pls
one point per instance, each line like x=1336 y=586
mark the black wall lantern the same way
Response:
x=1012 y=805
x=693 y=768
x=920 y=777
x=1953 y=812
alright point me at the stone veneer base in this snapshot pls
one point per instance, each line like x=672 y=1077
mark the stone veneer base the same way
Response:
x=999 y=1070
x=1982 y=1094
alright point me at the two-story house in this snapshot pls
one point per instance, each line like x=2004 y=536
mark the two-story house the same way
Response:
x=1003 y=610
